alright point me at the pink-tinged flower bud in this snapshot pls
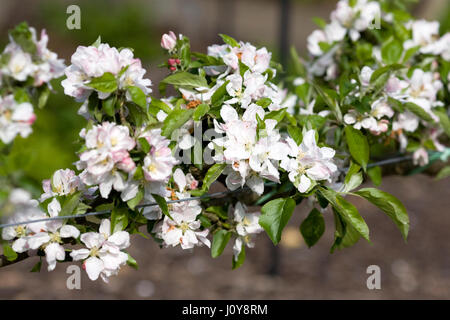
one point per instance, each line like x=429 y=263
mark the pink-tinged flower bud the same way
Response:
x=32 y=119
x=420 y=157
x=177 y=61
x=192 y=183
x=127 y=164
x=46 y=186
x=173 y=68
x=172 y=62
x=168 y=41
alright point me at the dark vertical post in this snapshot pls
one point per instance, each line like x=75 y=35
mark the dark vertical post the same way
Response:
x=285 y=7
x=284 y=50
x=226 y=22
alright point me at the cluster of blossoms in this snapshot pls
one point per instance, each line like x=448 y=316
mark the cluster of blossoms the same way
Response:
x=27 y=57
x=403 y=80
x=26 y=68
x=94 y=64
x=313 y=140
x=15 y=118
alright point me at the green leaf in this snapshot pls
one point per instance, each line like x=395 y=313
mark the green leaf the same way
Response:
x=319 y=22
x=119 y=219
x=21 y=95
x=275 y=215
x=132 y=262
x=313 y=227
x=353 y=179
x=264 y=102
x=132 y=203
x=69 y=205
x=444 y=120
x=220 y=211
x=390 y=205
x=374 y=174
x=298 y=67
x=296 y=134
x=347 y=211
x=213 y=174
x=139 y=173
x=138 y=96
x=37 y=266
x=220 y=240
x=162 y=204
x=330 y=101
x=160 y=105
x=185 y=79
x=44 y=93
x=277 y=115
x=97 y=42
x=23 y=37
x=391 y=51
x=108 y=106
x=106 y=83
x=418 y=111
x=357 y=145
x=381 y=71
x=175 y=120
x=145 y=146
x=345 y=235
x=200 y=111
x=443 y=173
x=81 y=208
x=9 y=253
x=229 y=40
x=312 y=121
x=240 y=259
x=218 y=95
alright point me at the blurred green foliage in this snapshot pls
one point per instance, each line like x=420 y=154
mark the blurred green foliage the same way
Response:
x=53 y=143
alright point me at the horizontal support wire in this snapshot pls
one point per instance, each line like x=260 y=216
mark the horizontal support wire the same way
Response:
x=211 y=195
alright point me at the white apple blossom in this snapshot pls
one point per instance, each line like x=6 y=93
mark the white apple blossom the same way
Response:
x=158 y=163
x=21 y=208
x=257 y=60
x=250 y=157
x=372 y=121
x=43 y=65
x=183 y=227
x=49 y=66
x=64 y=182
x=106 y=160
x=20 y=65
x=93 y=62
x=15 y=118
x=103 y=255
x=357 y=17
x=425 y=34
x=183 y=183
x=308 y=162
x=247 y=225
x=420 y=157
x=50 y=236
x=169 y=41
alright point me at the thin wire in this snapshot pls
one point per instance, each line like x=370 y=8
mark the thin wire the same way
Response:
x=97 y=213
x=211 y=195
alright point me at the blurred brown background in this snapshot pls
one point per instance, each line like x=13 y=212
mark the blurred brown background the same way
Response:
x=418 y=269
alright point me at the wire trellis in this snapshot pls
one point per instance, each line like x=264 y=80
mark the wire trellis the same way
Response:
x=220 y=194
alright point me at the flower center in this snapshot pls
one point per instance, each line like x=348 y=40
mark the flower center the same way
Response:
x=94 y=252
x=55 y=237
x=20 y=231
x=184 y=227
